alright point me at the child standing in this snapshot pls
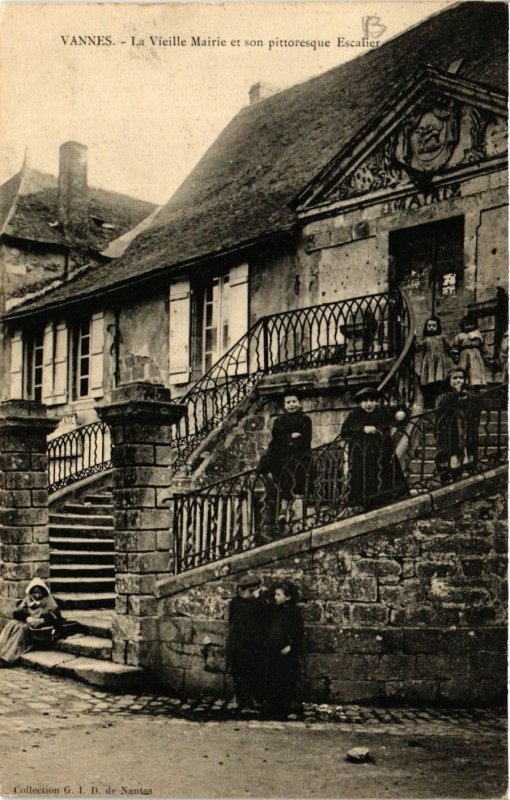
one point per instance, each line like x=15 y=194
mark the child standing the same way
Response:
x=435 y=362
x=456 y=426
x=245 y=643
x=288 y=455
x=283 y=646
x=468 y=350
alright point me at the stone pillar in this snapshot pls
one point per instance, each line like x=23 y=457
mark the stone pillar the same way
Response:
x=25 y=550
x=140 y=417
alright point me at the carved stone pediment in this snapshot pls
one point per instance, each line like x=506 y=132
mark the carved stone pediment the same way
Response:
x=445 y=126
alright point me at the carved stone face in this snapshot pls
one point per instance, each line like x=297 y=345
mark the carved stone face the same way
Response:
x=429 y=143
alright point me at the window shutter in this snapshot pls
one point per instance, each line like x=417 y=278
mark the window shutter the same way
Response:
x=47 y=371
x=96 y=354
x=60 y=364
x=16 y=365
x=180 y=300
x=238 y=310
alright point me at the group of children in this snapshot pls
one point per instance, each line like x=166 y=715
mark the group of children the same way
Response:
x=264 y=641
x=449 y=375
x=466 y=351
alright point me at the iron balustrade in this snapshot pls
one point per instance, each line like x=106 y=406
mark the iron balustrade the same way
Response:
x=77 y=454
x=342 y=479
x=369 y=328
x=373 y=327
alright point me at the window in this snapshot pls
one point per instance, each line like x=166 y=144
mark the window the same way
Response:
x=87 y=365
x=36 y=371
x=428 y=261
x=83 y=358
x=216 y=319
x=205 y=321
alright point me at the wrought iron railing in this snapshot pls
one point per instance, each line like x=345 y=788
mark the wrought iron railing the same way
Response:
x=77 y=454
x=373 y=327
x=360 y=472
x=399 y=385
x=368 y=328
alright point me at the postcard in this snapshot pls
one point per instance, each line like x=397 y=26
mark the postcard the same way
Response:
x=253 y=399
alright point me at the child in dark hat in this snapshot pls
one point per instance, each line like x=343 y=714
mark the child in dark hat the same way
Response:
x=245 y=642
x=375 y=475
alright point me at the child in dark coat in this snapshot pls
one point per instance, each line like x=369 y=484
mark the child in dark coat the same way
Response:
x=283 y=647
x=245 y=643
x=288 y=455
x=456 y=427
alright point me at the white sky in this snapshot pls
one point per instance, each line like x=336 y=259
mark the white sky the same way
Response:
x=147 y=114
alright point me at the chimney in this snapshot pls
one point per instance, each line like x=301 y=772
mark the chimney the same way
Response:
x=73 y=207
x=259 y=91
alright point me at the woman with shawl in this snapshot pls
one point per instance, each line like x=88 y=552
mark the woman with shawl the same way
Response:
x=36 y=617
x=375 y=474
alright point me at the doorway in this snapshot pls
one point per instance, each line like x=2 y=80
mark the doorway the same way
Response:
x=428 y=261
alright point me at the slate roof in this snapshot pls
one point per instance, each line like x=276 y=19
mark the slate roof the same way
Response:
x=28 y=210
x=241 y=190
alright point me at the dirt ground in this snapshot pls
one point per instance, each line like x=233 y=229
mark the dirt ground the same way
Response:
x=103 y=755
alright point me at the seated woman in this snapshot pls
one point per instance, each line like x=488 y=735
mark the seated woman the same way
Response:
x=36 y=618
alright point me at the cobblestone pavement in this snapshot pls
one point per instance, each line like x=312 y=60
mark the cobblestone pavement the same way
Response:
x=30 y=694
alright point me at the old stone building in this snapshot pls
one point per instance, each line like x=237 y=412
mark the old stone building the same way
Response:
x=306 y=249
x=52 y=228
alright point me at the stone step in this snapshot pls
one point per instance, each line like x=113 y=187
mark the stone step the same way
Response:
x=80 y=543
x=89 y=646
x=95 y=520
x=72 y=570
x=94 y=622
x=103 y=674
x=93 y=557
x=85 y=600
x=105 y=499
x=93 y=531
x=88 y=509
x=82 y=585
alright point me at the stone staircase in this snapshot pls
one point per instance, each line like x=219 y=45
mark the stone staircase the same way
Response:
x=86 y=656
x=82 y=560
x=423 y=465
x=82 y=576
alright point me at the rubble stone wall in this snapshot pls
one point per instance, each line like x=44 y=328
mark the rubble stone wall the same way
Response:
x=413 y=609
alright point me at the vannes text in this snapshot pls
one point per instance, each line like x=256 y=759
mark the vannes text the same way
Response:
x=106 y=40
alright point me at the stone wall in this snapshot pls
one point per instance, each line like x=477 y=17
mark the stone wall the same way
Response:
x=396 y=608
